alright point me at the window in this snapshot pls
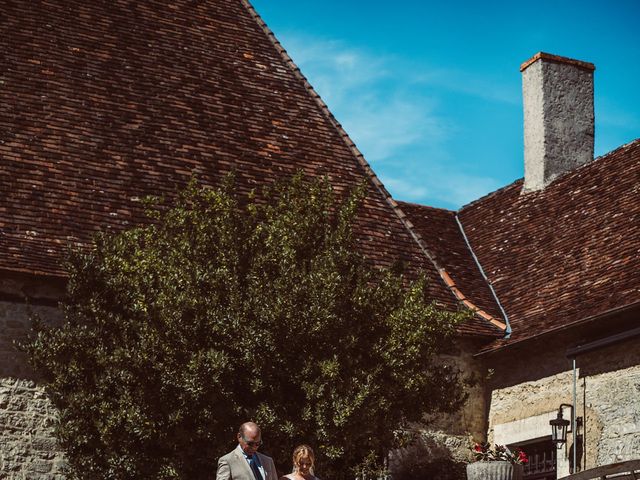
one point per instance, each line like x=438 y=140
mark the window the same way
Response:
x=542 y=460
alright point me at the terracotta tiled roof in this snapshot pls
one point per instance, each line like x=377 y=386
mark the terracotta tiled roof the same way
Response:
x=442 y=237
x=103 y=103
x=566 y=253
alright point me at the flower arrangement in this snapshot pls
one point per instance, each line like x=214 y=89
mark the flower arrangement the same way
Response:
x=484 y=452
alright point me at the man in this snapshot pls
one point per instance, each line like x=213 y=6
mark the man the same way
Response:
x=244 y=462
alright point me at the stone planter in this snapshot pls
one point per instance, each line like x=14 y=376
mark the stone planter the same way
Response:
x=494 y=471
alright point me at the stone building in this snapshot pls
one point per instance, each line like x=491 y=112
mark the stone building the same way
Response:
x=102 y=104
x=561 y=249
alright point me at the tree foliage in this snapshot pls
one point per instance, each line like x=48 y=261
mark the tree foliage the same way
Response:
x=224 y=309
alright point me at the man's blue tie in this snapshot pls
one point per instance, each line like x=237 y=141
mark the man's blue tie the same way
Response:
x=254 y=468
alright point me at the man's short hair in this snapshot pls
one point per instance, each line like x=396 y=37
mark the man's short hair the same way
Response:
x=248 y=426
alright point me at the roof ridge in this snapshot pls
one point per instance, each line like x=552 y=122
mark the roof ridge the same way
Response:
x=574 y=171
x=491 y=194
x=400 y=202
x=612 y=152
x=370 y=174
x=591 y=163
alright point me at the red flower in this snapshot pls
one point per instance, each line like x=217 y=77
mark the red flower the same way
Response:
x=522 y=457
x=478 y=447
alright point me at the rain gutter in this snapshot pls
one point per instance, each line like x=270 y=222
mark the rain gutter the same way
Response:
x=507 y=332
x=600 y=316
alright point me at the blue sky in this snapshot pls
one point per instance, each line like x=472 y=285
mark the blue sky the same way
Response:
x=430 y=91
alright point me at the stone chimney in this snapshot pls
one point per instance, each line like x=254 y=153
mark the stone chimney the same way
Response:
x=558 y=117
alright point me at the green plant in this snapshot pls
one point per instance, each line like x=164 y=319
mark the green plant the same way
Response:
x=227 y=308
x=484 y=452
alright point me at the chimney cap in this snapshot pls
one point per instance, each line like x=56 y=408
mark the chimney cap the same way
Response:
x=558 y=59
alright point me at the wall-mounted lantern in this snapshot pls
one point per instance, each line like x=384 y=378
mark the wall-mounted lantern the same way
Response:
x=559 y=428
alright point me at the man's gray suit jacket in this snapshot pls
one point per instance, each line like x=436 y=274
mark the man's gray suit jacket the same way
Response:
x=233 y=466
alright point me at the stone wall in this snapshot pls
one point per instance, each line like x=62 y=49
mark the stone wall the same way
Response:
x=609 y=402
x=525 y=398
x=28 y=449
x=440 y=449
x=470 y=420
x=432 y=455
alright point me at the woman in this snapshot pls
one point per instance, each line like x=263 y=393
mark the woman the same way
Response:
x=303 y=460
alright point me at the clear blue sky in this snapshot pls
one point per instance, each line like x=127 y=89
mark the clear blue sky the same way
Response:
x=430 y=91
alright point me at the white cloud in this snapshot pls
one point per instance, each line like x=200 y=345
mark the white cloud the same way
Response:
x=460 y=189
x=348 y=60
x=470 y=83
x=450 y=189
x=406 y=190
x=383 y=126
x=357 y=87
x=334 y=70
x=400 y=129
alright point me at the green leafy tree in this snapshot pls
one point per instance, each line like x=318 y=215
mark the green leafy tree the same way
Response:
x=224 y=309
